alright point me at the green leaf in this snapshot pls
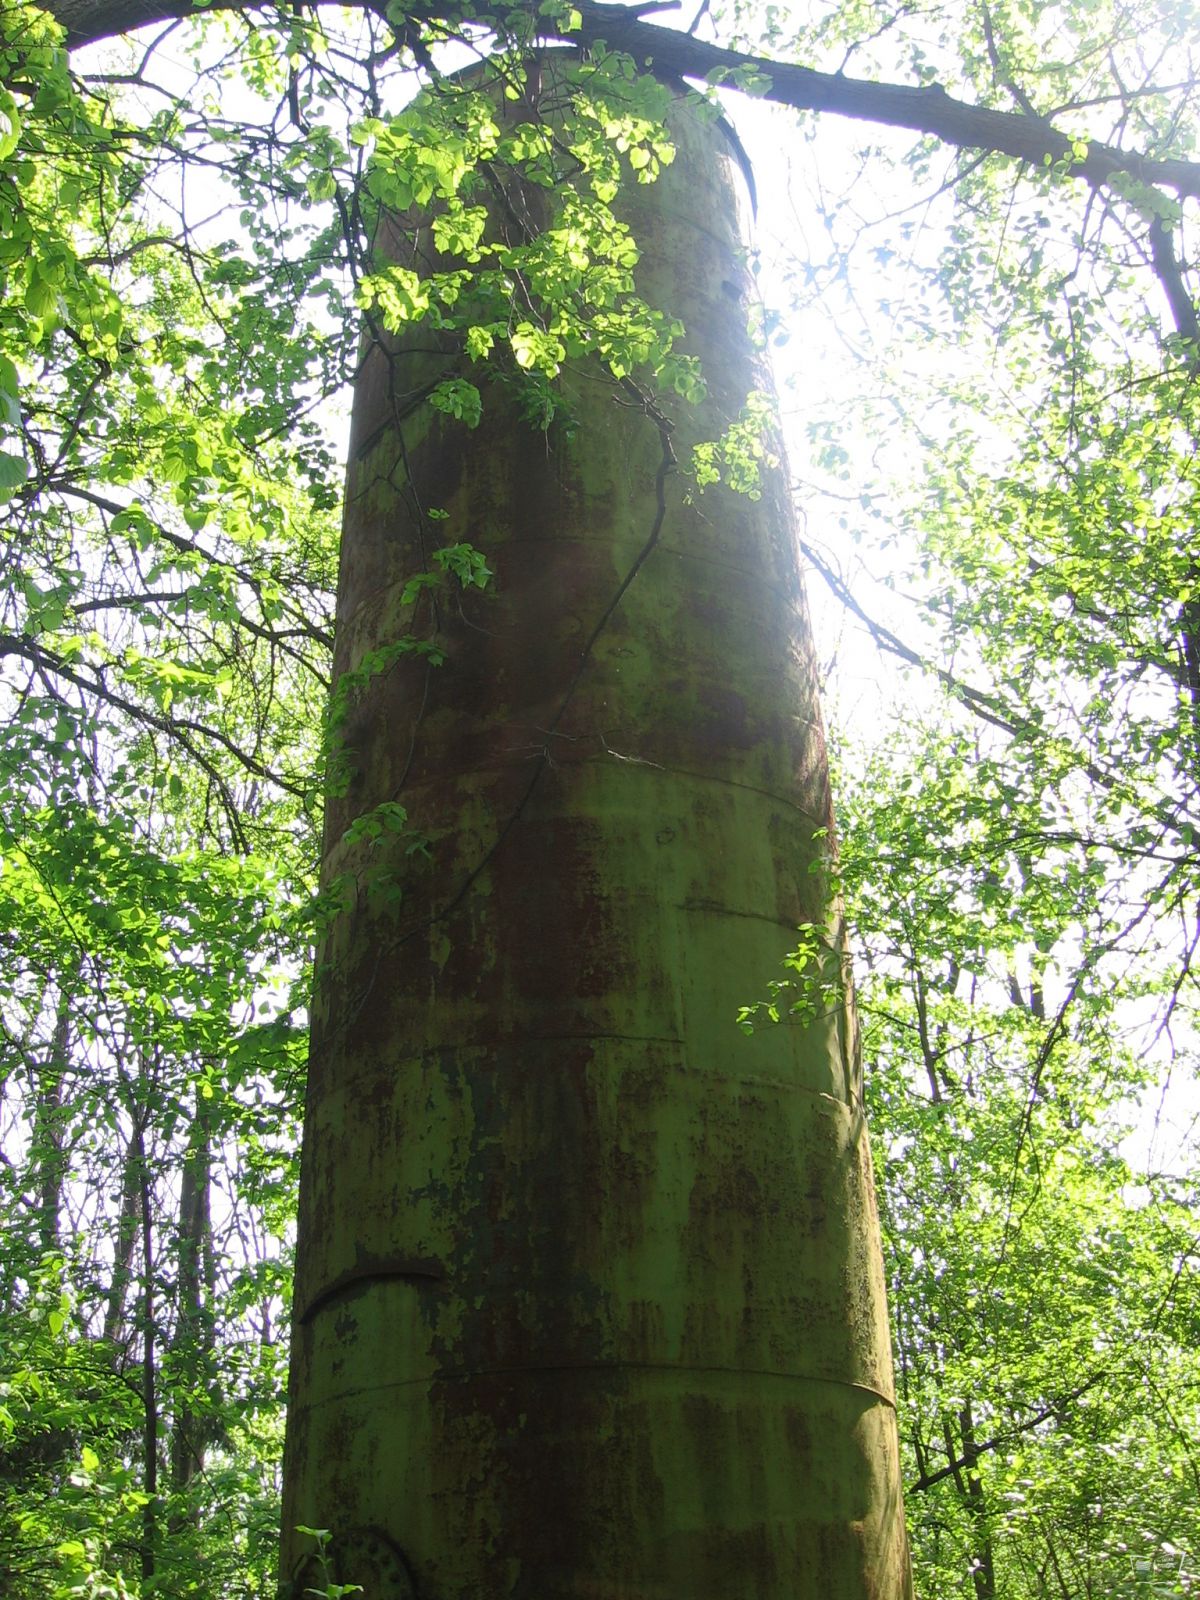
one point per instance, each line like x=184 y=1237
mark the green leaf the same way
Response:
x=321 y=186
x=458 y=398
x=174 y=466
x=10 y=125
x=13 y=474
x=10 y=394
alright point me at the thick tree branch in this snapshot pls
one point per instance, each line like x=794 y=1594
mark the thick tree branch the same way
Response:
x=1170 y=275
x=928 y=110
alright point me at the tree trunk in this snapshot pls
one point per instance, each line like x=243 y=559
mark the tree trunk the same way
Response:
x=116 y=1331
x=589 y=1299
x=192 y=1344
x=149 y=1544
x=49 y=1154
x=983 y=1570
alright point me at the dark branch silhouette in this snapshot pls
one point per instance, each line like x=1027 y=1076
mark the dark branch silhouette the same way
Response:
x=927 y=109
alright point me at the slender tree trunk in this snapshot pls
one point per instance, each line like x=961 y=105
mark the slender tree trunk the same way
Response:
x=48 y=1152
x=116 y=1333
x=589 y=1299
x=192 y=1344
x=149 y=1373
x=983 y=1572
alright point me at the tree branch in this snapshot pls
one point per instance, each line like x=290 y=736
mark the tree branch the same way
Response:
x=1054 y=1409
x=180 y=729
x=927 y=110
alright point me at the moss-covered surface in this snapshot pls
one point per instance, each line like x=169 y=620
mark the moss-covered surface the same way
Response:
x=589 y=1296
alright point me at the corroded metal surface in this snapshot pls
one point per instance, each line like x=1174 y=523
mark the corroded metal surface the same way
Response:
x=589 y=1295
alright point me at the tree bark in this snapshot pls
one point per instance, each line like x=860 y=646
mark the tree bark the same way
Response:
x=983 y=1570
x=149 y=1542
x=589 y=1298
x=48 y=1149
x=192 y=1343
x=116 y=1333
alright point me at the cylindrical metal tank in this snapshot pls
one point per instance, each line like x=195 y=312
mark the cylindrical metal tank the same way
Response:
x=589 y=1300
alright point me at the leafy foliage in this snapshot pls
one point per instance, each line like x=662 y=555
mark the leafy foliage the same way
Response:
x=187 y=224
x=1017 y=825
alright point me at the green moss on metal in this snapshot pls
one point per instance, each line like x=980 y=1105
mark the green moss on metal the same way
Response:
x=645 y=1352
